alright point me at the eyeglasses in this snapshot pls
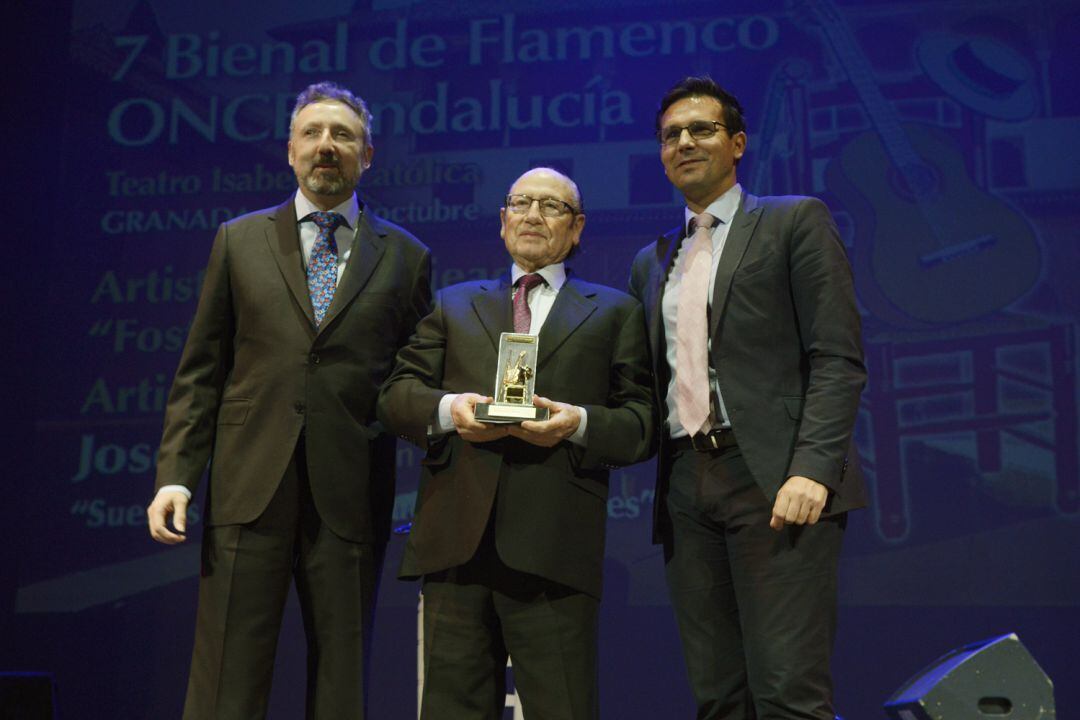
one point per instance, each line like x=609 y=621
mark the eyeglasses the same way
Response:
x=699 y=130
x=549 y=207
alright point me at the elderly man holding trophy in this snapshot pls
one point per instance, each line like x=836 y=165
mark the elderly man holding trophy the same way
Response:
x=524 y=392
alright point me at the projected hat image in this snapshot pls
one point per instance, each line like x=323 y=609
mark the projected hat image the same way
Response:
x=981 y=73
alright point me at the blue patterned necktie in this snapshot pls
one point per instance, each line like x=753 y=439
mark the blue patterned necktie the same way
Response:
x=322 y=266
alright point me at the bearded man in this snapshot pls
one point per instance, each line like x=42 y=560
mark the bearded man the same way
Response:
x=302 y=310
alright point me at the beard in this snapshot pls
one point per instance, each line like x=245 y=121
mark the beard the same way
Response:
x=320 y=181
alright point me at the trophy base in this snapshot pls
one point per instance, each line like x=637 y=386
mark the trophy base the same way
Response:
x=509 y=413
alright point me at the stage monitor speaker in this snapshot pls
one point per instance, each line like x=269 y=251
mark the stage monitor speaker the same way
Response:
x=988 y=680
x=26 y=696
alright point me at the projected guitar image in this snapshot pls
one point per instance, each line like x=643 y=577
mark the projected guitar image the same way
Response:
x=932 y=248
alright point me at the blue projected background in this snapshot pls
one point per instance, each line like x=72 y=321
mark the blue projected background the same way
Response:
x=943 y=136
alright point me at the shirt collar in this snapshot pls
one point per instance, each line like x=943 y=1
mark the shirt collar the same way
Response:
x=554 y=275
x=350 y=209
x=722 y=208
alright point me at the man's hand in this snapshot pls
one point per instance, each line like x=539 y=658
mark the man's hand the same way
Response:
x=799 y=502
x=562 y=422
x=463 y=413
x=164 y=506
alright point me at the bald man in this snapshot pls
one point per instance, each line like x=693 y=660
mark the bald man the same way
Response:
x=509 y=529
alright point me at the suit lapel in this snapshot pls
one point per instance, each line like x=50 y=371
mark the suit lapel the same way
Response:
x=572 y=306
x=284 y=242
x=738 y=239
x=369 y=244
x=493 y=307
x=666 y=246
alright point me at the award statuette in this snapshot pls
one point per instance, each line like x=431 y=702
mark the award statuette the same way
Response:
x=515 y=379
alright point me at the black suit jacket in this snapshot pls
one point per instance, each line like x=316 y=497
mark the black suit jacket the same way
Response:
x=255 y=372
x=785 y=345
x=550 y=504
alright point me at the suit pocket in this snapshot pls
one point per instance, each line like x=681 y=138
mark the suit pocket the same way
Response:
x=378 y=298
x=794 y=406
x=233 y=412
x=755 y=266
x=438 y=455
x=590 y=486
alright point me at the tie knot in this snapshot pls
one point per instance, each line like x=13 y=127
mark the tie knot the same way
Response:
x=528 y=282
x=327 y=221
x=704 y=221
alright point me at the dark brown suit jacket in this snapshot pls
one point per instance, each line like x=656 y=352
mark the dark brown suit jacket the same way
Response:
x=550 y=504
x=255 y=373
x=785 y=345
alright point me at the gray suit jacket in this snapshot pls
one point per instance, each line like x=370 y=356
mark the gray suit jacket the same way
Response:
x=785 y=345
x=255 y=372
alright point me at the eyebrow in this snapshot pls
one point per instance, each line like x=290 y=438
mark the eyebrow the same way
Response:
x=692 y=120
x=332 y=126
x=544 y=197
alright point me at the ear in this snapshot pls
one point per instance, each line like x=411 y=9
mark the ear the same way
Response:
x=365 y=157
x=739 y=143
x=502 y=223
x=289 y=152
x=577 y=228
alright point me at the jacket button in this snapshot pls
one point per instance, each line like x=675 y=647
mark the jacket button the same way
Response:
x=314 y=358
x=299 y=408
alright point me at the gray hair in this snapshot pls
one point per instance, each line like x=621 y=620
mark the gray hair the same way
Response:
x=331 y=91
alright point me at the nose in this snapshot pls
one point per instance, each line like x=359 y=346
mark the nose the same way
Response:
x=685 y=138
x=534 y=212
x=326 y=143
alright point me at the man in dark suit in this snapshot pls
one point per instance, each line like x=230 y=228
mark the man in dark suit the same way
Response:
x=509 y=526
x=755 y=340
x=302 y=310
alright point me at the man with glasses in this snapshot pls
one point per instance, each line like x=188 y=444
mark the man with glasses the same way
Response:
x=509 y=527
x=755 y=342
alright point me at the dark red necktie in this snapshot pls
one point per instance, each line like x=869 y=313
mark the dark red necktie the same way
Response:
x=522 y=314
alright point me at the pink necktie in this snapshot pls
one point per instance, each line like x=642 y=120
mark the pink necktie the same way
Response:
x=692 y=391
x=522 y=314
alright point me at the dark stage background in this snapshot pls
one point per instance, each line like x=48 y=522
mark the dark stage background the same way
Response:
x=942 y=135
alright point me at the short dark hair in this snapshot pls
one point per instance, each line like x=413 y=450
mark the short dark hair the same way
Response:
x=327 y=90
x=704 y=87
